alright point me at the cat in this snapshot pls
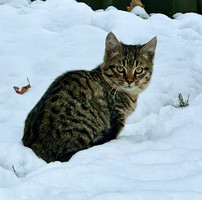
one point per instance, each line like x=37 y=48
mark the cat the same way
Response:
x=84 y=108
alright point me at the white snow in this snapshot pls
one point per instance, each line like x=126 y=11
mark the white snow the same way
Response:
x=139 y=11
x=158 y=155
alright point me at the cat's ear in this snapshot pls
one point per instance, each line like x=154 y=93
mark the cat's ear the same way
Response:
x=148 y=49
x=112 y=46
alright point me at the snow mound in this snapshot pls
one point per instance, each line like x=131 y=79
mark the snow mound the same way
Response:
x=16 y=3
x=139 y=11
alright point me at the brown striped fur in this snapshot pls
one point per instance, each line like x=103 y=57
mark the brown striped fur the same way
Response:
x=81 y=109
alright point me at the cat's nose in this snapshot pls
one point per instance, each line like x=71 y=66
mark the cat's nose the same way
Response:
x=129 y=80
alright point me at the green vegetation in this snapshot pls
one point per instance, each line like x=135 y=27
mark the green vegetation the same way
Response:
x=103 y=4
x=183 y=102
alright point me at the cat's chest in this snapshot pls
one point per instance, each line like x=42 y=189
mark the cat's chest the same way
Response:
x=130 y=108
x=123 y=102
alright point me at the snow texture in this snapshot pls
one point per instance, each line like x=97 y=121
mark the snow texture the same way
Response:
x=139 y=11
x=158 y=155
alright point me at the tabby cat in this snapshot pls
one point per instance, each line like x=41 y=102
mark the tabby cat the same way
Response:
x=82 y=109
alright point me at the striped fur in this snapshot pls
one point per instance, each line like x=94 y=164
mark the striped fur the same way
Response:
x=81 y=109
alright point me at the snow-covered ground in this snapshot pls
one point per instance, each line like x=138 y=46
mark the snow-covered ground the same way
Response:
x=158 y=156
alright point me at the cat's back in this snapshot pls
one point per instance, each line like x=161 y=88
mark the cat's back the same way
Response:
x=75 y=99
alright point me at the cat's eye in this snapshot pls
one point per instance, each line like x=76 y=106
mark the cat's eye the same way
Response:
x=138 y=70
x=120 y=69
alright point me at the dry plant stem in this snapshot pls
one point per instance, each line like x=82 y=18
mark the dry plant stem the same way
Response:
x=23 y=89
x=183 y=102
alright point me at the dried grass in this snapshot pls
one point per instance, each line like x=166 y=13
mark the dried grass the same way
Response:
x=134 y=3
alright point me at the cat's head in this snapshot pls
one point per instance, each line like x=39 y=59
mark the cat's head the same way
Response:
x=128 y=67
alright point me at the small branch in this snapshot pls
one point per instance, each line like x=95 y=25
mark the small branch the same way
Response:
x=14 y=171
x=28 y=81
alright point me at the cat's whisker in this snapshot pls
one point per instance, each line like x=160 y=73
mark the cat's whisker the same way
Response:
x=112 y=89
x=116 y=92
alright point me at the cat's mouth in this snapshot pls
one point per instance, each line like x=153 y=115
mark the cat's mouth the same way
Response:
x=129 y=87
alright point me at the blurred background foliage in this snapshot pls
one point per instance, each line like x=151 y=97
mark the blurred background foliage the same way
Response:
x=103 y=4
x=168 y=7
